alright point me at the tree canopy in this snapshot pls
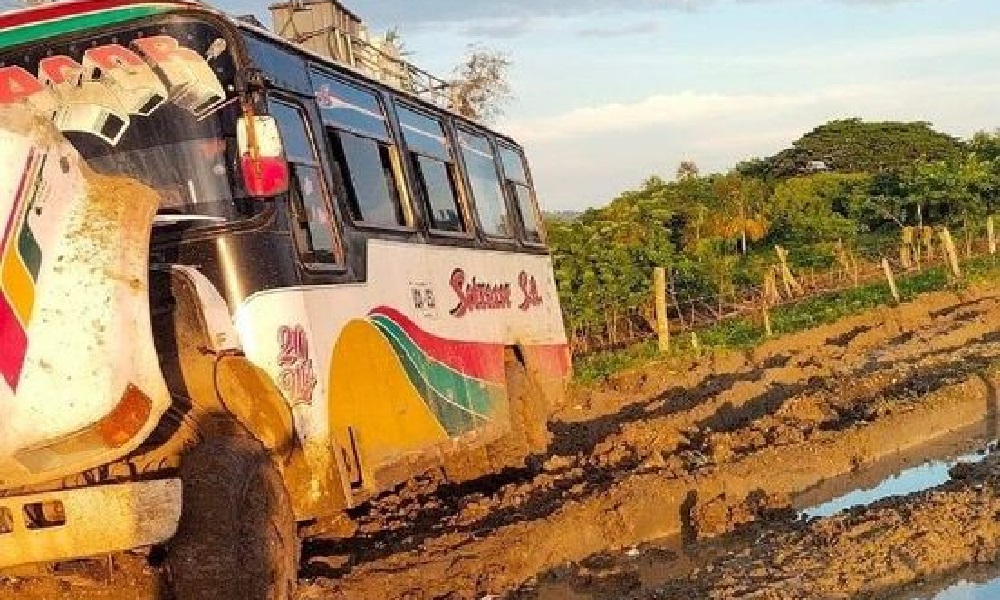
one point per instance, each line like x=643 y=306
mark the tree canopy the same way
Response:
x=856 y=146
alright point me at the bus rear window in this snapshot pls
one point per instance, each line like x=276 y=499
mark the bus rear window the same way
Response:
x=516 y=177
x=484 y=183
x=434 y=166
x=362 y=143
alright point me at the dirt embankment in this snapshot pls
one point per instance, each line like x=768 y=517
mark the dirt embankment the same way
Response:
x=691 y=449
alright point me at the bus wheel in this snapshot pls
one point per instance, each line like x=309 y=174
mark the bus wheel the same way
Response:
x=237 y=536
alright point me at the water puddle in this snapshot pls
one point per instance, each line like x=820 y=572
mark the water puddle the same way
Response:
x=966 y=590
x=629 y=572
x=974 y=583
x=915 y=479
x=906 y=473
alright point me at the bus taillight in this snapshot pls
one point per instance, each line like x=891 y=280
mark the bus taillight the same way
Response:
x=264 y=176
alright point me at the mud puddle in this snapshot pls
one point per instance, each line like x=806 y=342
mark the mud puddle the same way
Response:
x=976 y=583
x=637 y=571
x=966 y=590
x=909 y=472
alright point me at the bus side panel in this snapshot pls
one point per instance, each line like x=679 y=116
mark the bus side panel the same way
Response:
x=411 y=363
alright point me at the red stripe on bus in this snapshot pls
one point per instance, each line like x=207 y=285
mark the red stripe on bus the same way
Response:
x=58 y=10
x=476 y=359
x=13 y=344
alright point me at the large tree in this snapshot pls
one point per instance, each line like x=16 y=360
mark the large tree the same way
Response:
x=856 y=146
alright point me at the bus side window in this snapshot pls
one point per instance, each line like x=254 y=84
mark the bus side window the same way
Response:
x=433 y=161
x=484 y=183
x=314 y=222
x=362 y=143
x=516 y=180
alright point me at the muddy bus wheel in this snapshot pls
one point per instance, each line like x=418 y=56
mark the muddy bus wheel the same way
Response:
x=237 y=536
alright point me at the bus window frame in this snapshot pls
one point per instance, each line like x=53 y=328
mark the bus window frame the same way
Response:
x=400 y=172
x=462 y=199
x=512 y=199
x=460 y=127
x=336 y=225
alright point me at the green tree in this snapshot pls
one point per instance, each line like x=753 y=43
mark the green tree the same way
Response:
x=856 y=146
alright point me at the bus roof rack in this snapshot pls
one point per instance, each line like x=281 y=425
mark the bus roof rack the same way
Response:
x=328 y=28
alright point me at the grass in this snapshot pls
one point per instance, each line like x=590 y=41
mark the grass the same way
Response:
x=748 y=332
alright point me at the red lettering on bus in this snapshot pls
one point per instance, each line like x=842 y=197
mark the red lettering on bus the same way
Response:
x=297 y=377
x=476 y=295
x=58 y=69
x=529 y=287
x=16 y=85
x=162 y=48
x=113 y=56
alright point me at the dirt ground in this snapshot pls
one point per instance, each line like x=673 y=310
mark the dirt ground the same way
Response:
x=682 y=480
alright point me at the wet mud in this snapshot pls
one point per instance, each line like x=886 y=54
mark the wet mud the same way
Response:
x=687 y=479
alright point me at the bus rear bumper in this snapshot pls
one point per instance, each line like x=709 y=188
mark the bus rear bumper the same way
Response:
x=89 y=521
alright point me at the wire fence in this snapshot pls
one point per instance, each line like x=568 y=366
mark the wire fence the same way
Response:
x=626 y=326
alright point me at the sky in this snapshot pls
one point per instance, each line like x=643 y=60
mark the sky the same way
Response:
x=609 y=92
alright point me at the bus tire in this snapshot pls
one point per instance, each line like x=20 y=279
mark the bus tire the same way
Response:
x=237 y=536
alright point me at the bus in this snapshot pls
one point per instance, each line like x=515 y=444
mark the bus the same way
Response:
x=244 y=288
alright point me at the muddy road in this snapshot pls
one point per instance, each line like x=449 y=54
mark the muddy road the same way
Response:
x=688 y=479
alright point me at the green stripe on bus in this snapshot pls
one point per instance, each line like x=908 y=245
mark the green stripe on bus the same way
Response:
x=31 y=254
x=41 y=31
x=458 y=400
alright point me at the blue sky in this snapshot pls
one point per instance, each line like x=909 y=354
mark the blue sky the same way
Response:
x=609 y=92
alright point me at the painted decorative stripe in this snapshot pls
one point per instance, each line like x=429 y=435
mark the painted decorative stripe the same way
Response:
x=474 y=359
x=14 y=346
x=58 y=18
x=460 y=402
x=17 y=276
x=553 y=361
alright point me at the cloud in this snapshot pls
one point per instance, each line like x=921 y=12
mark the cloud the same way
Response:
x=627 y=30
x=498 y=28
x=661 y=110
x=416 y=12
x=424 y=12
x=585 y=157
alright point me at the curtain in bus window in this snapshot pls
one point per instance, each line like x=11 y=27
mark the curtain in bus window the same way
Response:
x=433 y=163
x=484 y=181
x=517 y=183
x=370 y=179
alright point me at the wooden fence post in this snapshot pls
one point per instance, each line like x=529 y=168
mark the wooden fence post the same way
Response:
x=660 y=294
x=767 y=319
x=792 y=286
x=906 y=249
x=991 y=235
x=927 y=237
x=950 y=253
x=890 y=279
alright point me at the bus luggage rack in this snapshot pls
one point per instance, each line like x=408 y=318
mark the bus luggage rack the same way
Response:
x=328 y=28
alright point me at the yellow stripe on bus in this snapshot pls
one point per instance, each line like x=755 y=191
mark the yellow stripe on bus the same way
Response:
x=371 y=394
x=17 y=285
